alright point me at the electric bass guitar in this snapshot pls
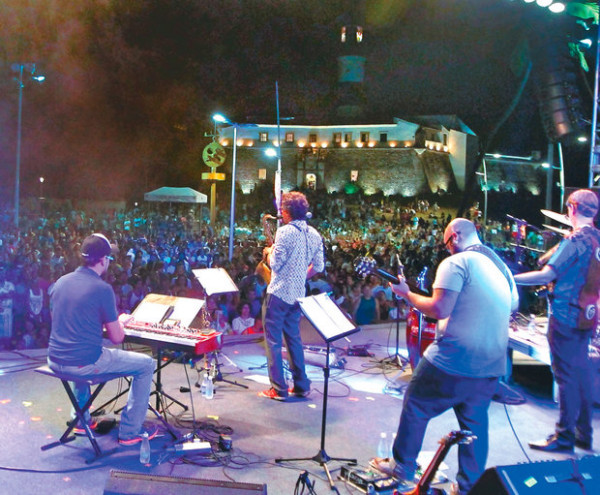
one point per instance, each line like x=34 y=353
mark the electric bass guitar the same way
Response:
x=424 y=485
x=367 y=265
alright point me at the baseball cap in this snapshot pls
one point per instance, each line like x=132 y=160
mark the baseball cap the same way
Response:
x=95 y=247
x=586 y=201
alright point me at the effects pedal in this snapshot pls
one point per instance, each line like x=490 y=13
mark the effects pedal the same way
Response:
x=362 y=478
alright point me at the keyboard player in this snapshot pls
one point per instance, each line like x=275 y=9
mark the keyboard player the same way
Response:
x=83 y=305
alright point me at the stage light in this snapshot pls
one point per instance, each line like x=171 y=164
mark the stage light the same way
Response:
x=557 y=7
x=544 y=3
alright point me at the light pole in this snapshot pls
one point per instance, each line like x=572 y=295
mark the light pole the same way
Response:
x=220 y=118
x=20 y=68
x=41 y=188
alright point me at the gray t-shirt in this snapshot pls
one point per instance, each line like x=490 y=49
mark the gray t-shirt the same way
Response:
x=81 y=304
x=473 y=340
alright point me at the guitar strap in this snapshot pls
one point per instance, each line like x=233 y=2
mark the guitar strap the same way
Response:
x=490 y=253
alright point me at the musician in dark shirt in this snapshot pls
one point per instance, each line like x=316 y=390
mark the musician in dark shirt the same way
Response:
x=82 y=305
x=573 y=271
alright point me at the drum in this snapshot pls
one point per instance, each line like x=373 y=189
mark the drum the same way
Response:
x=412 y=335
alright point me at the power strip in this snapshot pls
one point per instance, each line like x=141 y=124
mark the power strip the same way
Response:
x=195 y=447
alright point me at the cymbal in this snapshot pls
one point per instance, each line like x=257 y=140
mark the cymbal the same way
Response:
x=556 y=229
x=559 y=217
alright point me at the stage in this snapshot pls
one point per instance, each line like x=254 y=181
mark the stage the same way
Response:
x=364 y=400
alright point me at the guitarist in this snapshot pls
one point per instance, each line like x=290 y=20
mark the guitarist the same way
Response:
x=473 y=296
x=296 y=255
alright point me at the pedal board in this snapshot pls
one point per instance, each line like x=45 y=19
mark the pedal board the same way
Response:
x=362 y=478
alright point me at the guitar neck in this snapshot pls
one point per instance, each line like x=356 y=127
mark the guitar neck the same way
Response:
x=394 y=280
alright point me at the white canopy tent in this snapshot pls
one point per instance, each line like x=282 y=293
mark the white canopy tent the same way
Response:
x=176 y=195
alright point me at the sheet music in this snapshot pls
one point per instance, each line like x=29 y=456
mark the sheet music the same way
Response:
x=150 y=312
x=326 y=316
x=155 y=307
x=215 y=281
x=186 y=310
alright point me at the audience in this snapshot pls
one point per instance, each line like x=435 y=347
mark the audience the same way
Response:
x=158 y=251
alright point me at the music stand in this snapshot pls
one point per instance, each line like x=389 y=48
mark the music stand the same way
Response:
x=331 y=324
x=216 y=281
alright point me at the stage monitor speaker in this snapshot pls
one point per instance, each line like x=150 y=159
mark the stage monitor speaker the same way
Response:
x=570 y=477
x=127 y=483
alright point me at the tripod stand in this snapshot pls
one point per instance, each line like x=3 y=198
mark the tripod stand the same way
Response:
x=397 y=359
x=321 y=456
x=331 y=324
x=217 y=375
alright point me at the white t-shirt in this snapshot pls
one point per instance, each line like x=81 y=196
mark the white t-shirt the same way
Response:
x=473 y=340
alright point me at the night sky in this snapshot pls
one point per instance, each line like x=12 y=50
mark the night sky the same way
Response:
x=131 y=85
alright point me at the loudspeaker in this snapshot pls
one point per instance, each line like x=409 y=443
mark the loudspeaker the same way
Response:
x=557 y=87
x=570 y=477
x=126 y=483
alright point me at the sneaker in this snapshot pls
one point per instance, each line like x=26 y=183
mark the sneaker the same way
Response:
x=80 y=430
x=554 y=443
x=272 y=394
x=302 y=394
x=152 y=432
x=391 y=468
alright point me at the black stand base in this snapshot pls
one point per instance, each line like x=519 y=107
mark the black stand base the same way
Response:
x=322 y=459
x=396 y=360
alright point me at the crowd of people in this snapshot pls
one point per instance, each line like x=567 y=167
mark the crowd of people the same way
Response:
x=159 y=248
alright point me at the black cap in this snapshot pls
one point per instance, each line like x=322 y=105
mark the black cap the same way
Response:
x=95 y=247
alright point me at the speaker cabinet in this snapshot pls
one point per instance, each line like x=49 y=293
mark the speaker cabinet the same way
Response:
x=570 y=477
x=126 y=483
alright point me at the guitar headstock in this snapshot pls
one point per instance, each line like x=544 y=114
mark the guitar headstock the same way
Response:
x=463 y=437
x=365 y=265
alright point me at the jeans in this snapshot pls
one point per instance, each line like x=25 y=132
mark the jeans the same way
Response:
x=281 y=322
x=431 y=392
x=573 y=375
x=117 y=362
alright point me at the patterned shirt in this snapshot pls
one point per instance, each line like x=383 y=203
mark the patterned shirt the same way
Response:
x=570 y=262
x=296 y=246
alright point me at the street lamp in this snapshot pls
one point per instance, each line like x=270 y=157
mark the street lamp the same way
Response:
x=41 y=188
x=21 y=68
x=222 y=119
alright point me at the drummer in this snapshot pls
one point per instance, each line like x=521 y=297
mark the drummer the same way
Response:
x=473 y=295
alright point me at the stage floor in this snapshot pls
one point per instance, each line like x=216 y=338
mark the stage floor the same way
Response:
x=34 y=409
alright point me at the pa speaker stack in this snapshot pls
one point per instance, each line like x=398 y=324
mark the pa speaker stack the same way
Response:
x=570 y=477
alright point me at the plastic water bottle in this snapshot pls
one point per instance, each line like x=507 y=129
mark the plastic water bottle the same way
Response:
x=145 y=449
x=210 y=390
x=391 y=451
x=531 y=326
x=204 y=384
x=383 y=448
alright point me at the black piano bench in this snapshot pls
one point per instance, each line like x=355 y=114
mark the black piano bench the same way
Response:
x=79 y=410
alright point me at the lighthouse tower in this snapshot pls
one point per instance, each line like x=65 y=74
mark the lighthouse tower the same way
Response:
x=351 y=72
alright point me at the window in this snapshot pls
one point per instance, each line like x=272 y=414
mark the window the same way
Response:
x=348 y=137
x=263 y=137
x=353 y=175
x=364 y=137
x=312 y=138
x=289 y=137
x=383 y=137
x=359 y=34
x=337 y=138
x=262 y=173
